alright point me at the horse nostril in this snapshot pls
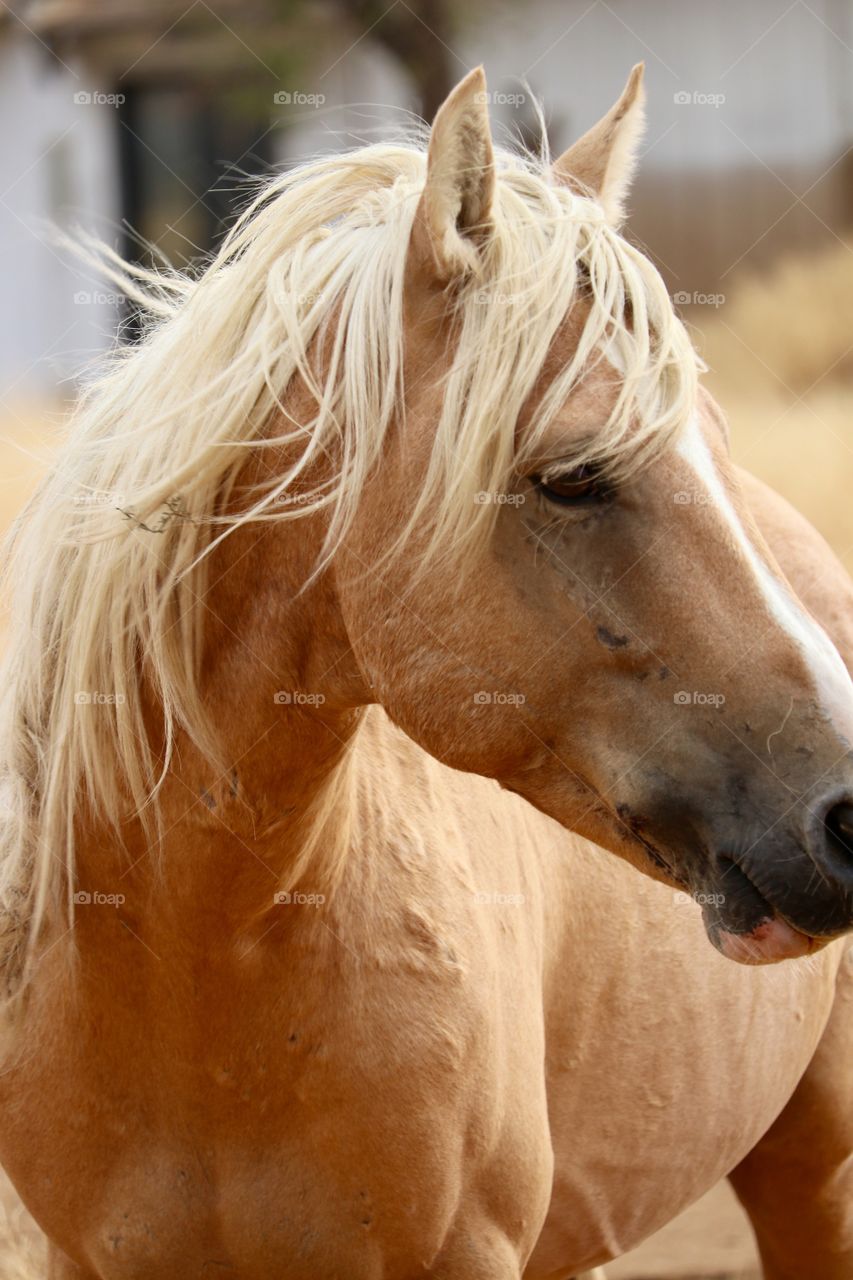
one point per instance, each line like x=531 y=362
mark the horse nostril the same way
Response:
x=839 y=824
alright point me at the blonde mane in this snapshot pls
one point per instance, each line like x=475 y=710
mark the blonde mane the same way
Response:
x=159 y=438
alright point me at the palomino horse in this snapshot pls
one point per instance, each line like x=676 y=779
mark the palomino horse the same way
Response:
x=402 y=561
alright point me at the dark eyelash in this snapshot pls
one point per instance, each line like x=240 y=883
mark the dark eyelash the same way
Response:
x=582 y=486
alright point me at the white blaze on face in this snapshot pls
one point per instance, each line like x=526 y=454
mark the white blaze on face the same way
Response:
x=833 y=686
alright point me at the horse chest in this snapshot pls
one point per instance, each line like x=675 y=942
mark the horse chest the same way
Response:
x=292 y=1132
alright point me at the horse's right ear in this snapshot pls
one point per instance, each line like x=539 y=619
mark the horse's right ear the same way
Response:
x=453 y=216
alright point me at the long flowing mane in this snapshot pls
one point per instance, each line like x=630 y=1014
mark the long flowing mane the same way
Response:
x=100 y=604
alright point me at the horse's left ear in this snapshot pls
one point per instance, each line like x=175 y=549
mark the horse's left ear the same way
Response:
x=603 y=160
x=453 y=217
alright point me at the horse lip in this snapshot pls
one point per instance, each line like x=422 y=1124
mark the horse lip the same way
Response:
x=772 y=940
x=821 y=939
x=812 y=941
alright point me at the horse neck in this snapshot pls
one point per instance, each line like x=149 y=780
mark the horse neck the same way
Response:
x=280 y=687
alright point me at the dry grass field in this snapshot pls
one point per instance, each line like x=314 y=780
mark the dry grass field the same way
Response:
x=780 y=356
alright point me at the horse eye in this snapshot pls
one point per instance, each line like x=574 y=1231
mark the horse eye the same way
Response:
x=583 y=485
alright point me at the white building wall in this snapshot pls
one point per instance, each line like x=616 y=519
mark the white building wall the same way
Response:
x=347 y=101
x=57 y=166
x=785 y=73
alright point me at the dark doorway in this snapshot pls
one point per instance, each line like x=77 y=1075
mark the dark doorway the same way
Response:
x=184 y=154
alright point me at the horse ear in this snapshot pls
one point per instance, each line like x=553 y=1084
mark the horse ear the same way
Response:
x=603 y=160
x=453 y=217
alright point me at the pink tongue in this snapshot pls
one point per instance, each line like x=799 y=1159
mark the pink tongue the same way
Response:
x=771 y=940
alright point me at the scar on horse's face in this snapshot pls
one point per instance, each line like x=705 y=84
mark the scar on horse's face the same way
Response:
x=625 y=655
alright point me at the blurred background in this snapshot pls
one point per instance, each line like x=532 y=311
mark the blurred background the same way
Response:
x=142 y=121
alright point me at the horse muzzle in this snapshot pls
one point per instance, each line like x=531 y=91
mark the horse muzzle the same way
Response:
x=772 y=885
x=788 y=893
